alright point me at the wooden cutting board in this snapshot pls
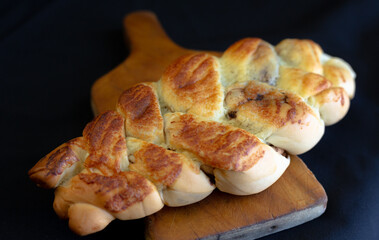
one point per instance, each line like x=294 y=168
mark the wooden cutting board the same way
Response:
x=297 y=197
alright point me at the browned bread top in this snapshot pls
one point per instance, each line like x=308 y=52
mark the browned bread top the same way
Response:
x=302 y=54
x=105 y=136
x=192 y=84
x=306 y=84
x=116 y=193
x=263 y=103
x=140 y=107
x=340 y=74
x=250 y=59
x=218 y=145
x=156 y=163
x=51 y=169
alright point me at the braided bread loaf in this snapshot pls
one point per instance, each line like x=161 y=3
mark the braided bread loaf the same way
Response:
x=234 y=118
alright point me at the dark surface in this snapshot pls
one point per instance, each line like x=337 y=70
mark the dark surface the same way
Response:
x=51 y=52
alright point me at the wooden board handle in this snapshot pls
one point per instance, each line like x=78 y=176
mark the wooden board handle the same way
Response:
x=151 y=51
x=144 y=33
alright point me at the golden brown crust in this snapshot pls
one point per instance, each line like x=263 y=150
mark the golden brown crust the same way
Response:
x=92 y=200
x=250 y=59
x=340 y=74
x=114 y=193
x=158 y=164
x=218 y=145
x=127 y=188
x=279 y=117
x=335 y=95
x=265 y=106
x=140 y=107
x=300 y=82
x=192 y=84
x=303 y=54
x=262 y=175
x=178 y=179
x=48 y=171
x=105 y=136
x=333 y=104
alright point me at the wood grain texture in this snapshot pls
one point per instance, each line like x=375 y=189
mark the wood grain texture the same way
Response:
x=295 y=198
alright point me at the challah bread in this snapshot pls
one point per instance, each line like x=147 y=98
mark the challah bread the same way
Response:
x=178 y=179
x=140 y=107
x=267 y=170
x=61 y=164
x=85 y=218
x=104 y=189
x=340 y=74
x=242 y=164
x=305 y=84
x=191 y=84
x=230 y=117
x=308 y=56
x=105 y=137
x=203 y=80
x=250 y=59
x=333 y=104
x=302 y=54
x=125 y=195
x=279 y=117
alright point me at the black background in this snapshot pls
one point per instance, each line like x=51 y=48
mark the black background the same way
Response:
x=51 y=52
